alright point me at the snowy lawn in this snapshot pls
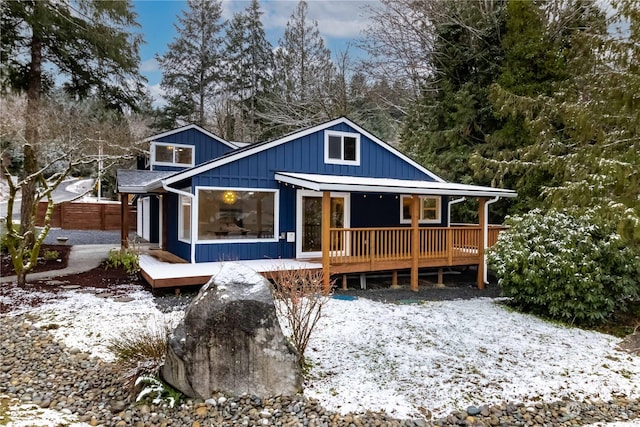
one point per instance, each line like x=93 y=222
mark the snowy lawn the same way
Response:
x=403 y=359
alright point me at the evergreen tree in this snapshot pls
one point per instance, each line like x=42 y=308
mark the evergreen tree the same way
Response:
x=454 y=114
x=586 y=133
x=250 y=63
x=88 y=42
x=192 y=66
x=300 y=91
x=537 y=45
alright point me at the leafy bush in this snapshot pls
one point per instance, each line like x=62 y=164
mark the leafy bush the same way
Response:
x=49 y=254
x=125 y=258
x=565 y=267
x=158 y=390
x=141 y=352
x=4 y=237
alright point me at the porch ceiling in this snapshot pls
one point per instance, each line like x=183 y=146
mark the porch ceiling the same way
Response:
x=388 y=185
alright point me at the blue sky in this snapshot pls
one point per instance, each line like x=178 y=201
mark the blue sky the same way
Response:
x=340 y=22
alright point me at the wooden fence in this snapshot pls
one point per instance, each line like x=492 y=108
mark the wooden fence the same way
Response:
x=86 y=216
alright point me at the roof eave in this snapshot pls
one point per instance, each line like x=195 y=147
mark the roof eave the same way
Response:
x=393 y=189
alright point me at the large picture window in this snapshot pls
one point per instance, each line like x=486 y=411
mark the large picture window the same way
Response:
x=172 y=154
x=232 y=213
x=429 y=209
x=342 y=148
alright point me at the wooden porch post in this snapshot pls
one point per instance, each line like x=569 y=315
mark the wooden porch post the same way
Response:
x=415 y=241
x=326 y=225
x=481 y=243
x=124 y=220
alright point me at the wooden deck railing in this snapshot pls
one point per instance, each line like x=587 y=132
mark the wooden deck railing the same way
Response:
x=362 y=245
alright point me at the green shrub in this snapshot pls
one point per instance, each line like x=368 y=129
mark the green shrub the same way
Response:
x=49 y=254
x=158 y=391
x=565 y=267
x=125 y=258
x=4 y=237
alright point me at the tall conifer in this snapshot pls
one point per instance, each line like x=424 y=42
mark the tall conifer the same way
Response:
x=302 y=77
x=250 y=63
x=192 y=66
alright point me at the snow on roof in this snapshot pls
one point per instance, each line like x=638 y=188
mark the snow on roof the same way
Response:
x=388 y=185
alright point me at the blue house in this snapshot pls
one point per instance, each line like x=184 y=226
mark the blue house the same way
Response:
x=169 y=152
x=333 y=193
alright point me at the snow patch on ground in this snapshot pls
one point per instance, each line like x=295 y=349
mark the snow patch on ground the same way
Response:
x=402 y=359
x=88 y=321
x=445 y=356
x=29 y=415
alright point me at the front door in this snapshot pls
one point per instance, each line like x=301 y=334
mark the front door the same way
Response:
x=309 y=220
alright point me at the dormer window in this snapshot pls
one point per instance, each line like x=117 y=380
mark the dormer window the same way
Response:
x=342 y=148
x=171 y=154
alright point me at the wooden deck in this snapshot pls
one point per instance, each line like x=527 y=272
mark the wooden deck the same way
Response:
x=352 y=250
x=161 y=273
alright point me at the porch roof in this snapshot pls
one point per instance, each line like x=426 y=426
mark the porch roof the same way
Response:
x=388 y=185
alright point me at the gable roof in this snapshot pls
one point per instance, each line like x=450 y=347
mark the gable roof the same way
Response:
x=256 y=148
x=189 y=127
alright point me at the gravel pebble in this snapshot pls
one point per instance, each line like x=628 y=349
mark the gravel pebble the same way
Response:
x=36 y=369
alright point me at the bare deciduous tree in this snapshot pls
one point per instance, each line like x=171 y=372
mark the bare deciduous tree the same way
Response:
x=70 y=135
x=300 y=296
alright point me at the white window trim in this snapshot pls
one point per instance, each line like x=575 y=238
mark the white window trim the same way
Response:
x=310 y=193
x=276 y=216
x=155 y=144
x=437 y=220
x=341 y=161
x=181 y=219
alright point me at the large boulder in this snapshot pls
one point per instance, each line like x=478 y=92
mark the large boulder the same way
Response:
x=230 y=341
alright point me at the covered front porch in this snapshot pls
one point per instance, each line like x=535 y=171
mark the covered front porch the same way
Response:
x=407 y=246
x=351 y=251
x=362 y=250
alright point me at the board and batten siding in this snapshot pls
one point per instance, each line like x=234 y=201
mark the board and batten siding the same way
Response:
x=303 y=155
x=205 y=147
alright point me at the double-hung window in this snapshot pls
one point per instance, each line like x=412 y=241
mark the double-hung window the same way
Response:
x=342 y=148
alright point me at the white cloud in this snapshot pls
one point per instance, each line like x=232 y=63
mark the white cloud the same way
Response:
x=157 y=94
x=336 y=18
x=149 y=66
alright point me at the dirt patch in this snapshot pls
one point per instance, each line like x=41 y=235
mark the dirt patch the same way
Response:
x=631 y=344
x=111 y=281
x=51 y=257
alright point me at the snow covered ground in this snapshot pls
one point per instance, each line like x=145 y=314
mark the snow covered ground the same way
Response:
x=367 y=355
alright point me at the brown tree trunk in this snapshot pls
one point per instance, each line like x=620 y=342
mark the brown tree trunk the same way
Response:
x=30 y=169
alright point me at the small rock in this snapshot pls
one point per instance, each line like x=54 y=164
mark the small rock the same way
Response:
x=118 y=406
x=473 y=410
